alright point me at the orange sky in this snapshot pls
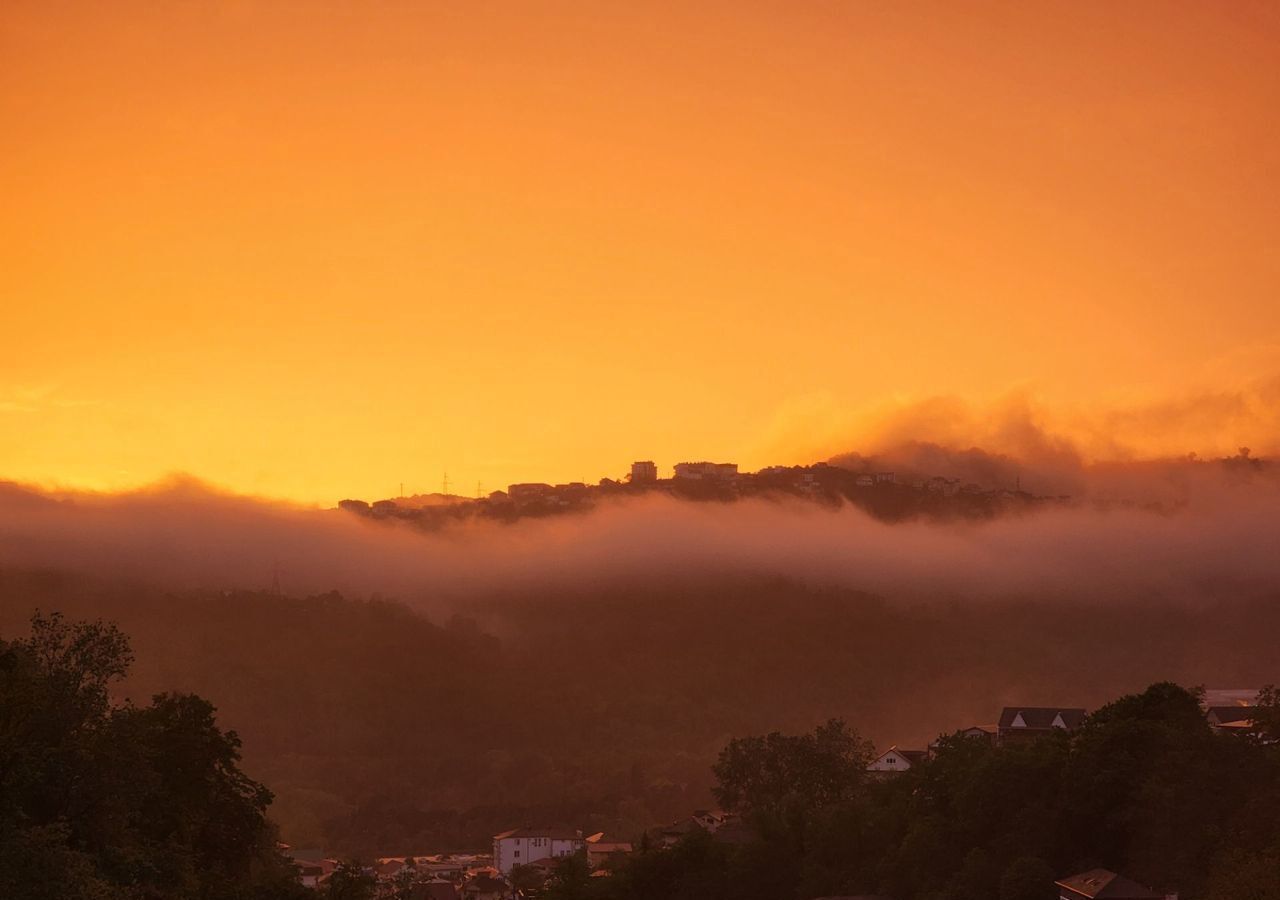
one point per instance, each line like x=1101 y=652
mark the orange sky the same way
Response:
x=313 y=250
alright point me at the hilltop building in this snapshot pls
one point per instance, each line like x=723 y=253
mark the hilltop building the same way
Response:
x=644 y=472
x=522 y=493
x=707 y=471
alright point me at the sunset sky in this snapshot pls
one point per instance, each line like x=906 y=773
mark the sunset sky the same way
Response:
x=314 y=250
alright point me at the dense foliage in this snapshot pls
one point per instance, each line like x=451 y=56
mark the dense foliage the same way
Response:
x=385 y=731
x=102 y=799
x=1145 y=787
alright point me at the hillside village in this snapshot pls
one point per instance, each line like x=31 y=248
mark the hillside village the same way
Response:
x=885 y=495
x=522 y=860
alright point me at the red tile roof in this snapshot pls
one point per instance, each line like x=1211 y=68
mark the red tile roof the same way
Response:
x=1103 y=884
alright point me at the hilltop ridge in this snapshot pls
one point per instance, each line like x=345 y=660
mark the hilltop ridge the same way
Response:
x=882 y=494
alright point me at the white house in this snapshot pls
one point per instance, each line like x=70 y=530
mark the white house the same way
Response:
x=895 y=760
x=522 y=846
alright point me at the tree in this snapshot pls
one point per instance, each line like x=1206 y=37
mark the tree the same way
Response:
x=571 y=879
x=1243 y=875
x=760 y=773
x=1137 y=789
x=102 y=800
x=349 y=881
x=526 y=878
x=977 y=877
x=1267 y=716
x=1027 y=878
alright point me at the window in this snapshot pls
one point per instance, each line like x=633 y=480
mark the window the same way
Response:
x=517 y=854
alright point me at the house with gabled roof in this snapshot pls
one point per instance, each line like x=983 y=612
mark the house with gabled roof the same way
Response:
x=521 y=846
x=1103 y=884
x=1023 y=722
x=603 y=850
x=896 y=759
x=1231 y=717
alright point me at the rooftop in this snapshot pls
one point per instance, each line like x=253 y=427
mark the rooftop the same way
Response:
x=555 y=834
x=1041 y=716
x=1103 y=884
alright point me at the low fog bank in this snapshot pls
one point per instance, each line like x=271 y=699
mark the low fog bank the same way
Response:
x=1215 y=540
x=655 y=629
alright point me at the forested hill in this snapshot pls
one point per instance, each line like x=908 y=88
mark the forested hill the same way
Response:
x=884 y=495
x=1145 y=786
x=382 y=730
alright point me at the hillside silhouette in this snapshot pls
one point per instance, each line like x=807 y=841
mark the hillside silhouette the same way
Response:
x=382 y=730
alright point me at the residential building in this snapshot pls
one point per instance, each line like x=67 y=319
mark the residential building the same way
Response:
x=1102 y=884
x=1233 y=718
x=724 y=827
x=601 y=850
x=309 y=874
x=312 y=864
x=444 y=867
x=948 y=487
x=896 y=760
x=706 y=471
x=571 y=492
x=1023 y=722
x=524 y=493
x=522 y=846
x=667 y=835
x=388 y=866
x=1232 y=710
x=644 y=472
x=710 y=819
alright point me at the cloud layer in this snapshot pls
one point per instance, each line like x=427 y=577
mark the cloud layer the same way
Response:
x=1211 y=539
x=1061 y=440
